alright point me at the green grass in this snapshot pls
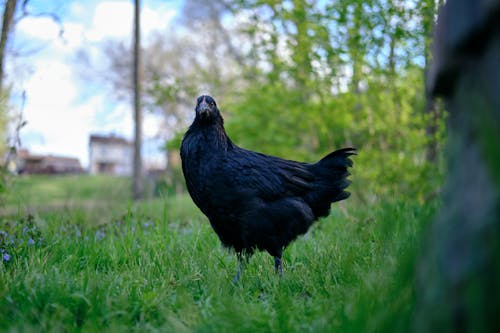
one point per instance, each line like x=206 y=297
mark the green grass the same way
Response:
x=95 y=197
x=158 y=266
x=53 y=189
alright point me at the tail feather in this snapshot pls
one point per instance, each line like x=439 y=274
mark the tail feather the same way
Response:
x=330 y=181
x=339 y=158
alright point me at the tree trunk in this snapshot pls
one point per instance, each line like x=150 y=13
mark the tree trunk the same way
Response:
x=137 y=181
x=431 y=107
x=8 y=15
x=459 y=269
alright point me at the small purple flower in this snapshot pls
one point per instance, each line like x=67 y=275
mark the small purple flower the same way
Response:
x=6 y=257
x=31 y=241
x=100 y=234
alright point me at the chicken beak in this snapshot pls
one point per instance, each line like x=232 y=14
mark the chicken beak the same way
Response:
x=204 y=108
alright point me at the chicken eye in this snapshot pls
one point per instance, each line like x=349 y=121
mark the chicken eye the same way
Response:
x=212 y=104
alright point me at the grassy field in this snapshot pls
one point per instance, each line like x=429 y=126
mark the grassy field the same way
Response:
x=38 y=194
x=158 y=266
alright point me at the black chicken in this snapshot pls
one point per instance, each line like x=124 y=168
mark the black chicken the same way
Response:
x=256 y=201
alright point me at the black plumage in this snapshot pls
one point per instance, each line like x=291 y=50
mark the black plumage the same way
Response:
x=252 y=200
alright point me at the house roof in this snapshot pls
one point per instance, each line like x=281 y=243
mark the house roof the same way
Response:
x=94 y=138
x=62 y=159
x=38 y=163
x=25 y=155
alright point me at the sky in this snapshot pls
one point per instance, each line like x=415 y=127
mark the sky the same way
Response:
x=61 y=108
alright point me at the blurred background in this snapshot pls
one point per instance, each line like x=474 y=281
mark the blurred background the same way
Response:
x=297 y=79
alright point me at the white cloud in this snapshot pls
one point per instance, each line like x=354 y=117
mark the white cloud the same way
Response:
x=152 y=124
x=156 y=19
x=120 y=121
x=47 y=35
x=48 y=90
x=117 y=121
x=77 y=9
x=112 y=19
x=41 y=28
x=73 y=36
x=50 y=110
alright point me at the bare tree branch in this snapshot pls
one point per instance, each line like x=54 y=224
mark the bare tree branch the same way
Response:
x=54 y=17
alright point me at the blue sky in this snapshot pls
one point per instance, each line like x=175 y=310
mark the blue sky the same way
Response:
x=62 y=109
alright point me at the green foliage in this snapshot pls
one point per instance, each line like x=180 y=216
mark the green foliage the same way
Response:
x=349 y=73
x=158 y=266
x=270 y=118
x=384 y=122
x=392 y=140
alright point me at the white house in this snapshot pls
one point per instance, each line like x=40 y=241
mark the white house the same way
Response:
x=110 y=155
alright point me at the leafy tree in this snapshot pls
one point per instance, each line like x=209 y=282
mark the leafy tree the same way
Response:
x=301 y=78
x=350 y=72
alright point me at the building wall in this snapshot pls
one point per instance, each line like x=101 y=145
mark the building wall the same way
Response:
x=117 y=158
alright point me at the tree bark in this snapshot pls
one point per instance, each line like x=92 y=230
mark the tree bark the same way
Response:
x=8 y=15
x=458 y=273
x=431 y=107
